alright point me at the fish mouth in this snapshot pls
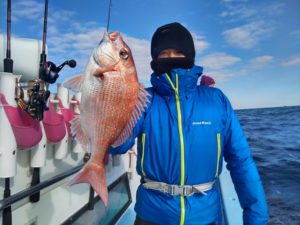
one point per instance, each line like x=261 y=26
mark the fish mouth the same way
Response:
x=101 y=73
x=102 y=66
x=101 y=69
x=113 y=36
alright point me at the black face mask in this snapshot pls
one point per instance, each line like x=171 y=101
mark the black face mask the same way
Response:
x=165 y=65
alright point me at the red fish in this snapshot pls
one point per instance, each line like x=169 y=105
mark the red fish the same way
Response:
x=111 y=103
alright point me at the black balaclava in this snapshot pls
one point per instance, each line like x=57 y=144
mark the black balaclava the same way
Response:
x=172 y=36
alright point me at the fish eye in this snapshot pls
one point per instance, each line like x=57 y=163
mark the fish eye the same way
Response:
x=124 y=54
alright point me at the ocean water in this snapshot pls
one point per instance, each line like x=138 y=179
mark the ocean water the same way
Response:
x=274 y=137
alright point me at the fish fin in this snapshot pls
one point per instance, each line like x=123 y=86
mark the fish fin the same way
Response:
x=78 y=133
x=137 y=112
x=93 y=174
x=74 y=83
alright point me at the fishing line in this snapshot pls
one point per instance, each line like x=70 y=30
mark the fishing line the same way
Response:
x=108 y=18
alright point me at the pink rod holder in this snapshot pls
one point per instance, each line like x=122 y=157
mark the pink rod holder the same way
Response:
x=27 y=131
x=54 y=124
x=68 y=114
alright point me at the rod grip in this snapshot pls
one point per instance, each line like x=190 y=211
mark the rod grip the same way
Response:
x=8 y=65
x=35 y=180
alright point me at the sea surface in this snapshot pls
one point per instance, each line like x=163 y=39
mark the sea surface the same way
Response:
x=274 y=137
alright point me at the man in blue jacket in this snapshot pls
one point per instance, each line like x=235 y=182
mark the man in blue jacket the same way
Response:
x=182 y=138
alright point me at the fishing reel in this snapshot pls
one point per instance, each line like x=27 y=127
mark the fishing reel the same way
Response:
x=35 y=101
x=48 y=71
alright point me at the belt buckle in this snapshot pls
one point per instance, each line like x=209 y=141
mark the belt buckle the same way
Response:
x=187 y=191
x=171 y=189
x=184 y=191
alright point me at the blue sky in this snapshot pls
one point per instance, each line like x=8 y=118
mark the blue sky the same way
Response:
x=251 y=48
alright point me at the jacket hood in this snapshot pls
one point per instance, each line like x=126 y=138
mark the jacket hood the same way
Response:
x=187 y=80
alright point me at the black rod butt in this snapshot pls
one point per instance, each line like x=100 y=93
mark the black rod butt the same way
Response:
x=35 y=181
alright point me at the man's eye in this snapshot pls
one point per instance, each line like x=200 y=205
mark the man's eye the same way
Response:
x=163 y=54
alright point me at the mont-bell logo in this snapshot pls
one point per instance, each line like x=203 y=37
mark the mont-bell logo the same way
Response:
x=201 y=123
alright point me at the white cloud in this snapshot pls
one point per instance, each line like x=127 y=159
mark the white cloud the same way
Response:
x=248 y=13
x=225 y=75
x=74 y=45
x=30 y=9
x=274 y=9
x=218 y=61
x=140 y=49
x=247 y=36
x=234 y=13
x=200 y=44
x=218 y=66
x=292 y=61
x=60 y=16
x=218 y=75
x=295 y=35
x=34 y=10
x=261 y=61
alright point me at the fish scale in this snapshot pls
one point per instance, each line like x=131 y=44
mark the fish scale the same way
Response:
x=111 y=109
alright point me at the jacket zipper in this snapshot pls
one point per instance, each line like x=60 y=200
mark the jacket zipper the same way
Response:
x=182 y=171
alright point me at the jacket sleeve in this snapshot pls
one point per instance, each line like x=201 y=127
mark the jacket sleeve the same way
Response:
x=243 y=171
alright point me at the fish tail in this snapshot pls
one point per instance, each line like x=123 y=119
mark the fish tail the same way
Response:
x=94 y=175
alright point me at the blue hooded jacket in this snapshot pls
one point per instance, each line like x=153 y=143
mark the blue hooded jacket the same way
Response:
x=182 y=138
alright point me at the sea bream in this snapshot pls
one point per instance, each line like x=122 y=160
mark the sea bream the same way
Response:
x=111 y=103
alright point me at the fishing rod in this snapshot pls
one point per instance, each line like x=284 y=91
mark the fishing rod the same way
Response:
x=8 y=67
x=39 y=93
x=8 y=62
x=43 y=58
x=37 y=89
x=41 y=100
x=43 y=75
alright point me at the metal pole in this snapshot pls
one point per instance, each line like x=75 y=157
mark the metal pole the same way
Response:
x=4 y=203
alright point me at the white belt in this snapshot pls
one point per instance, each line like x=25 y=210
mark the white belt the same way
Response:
x=185 y=190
